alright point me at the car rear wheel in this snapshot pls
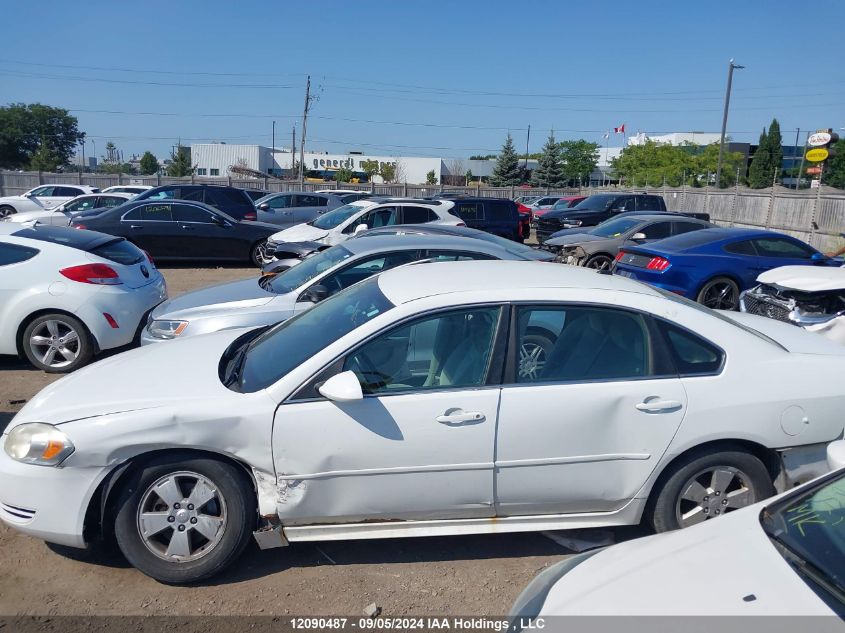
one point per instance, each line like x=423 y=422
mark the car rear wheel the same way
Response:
x=707 y=486
x=259 y=254
x=184 y=520
x=57 y=343
x=6 y=210
x=720 y=293
x=599 y=262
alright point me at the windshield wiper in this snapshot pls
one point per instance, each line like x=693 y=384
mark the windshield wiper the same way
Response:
x=264 y=283
x=805 y=567
x=235 y=366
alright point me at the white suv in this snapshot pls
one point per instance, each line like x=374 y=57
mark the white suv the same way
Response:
x=340 y=224
x=42 y=197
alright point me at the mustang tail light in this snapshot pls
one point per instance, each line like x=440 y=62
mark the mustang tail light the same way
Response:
x=100 y=274
x=619 y=255
x=658 y=263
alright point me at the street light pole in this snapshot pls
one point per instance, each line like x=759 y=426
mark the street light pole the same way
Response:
x=731 y=68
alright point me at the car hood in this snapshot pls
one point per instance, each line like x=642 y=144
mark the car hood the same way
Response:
x=299 y=233
x=805 y=278
x=792 y=338
x=723 y=567
x=234 y=295
x=143 y=378
x=571 y=239
x=29 y=216
x=12 y=198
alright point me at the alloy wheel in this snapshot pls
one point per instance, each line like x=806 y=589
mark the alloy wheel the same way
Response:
x=261 y=255
x=55 y=343
x=181 y=517
x=600 y=262
x=720 y=295
x=713 y=492
x=532 y=360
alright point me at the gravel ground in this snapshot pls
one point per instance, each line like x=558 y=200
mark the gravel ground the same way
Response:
x=470 y=575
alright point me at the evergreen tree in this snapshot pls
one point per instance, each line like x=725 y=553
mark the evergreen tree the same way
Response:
x=180 y=162
x=431 y=178
x=760 y=171
x=549 y=172
x=507 y=172
x=775 y=144
x=149 y=164
x=834 y=169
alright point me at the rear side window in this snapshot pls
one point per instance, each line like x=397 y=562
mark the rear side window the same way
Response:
x=456 y=256
x=417 y=215
x=67 y=192
x=469 y=210
x=15 y=254
x=686 y=227
x=120 y=252
x=192 y=194
x=657 y=231
x=151 y=213
x=745 y=247
x=310 y=201
x=501 y=211
x=110 y=201
x=649 y=203
x=229 y=200
x=693 y=355
x=190 y=213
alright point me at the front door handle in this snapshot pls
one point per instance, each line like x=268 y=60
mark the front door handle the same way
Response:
x=187 y=227
x=135 y=226
x=658 y=406
x=456 y=417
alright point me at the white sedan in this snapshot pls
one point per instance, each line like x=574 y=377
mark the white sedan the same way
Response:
x=782 y=557
x=42 y=197
x=62 y=214
x=66 y=294
x=435 y=398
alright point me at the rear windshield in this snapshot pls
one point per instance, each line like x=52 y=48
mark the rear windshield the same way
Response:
x=595 y=203
x=120 y=252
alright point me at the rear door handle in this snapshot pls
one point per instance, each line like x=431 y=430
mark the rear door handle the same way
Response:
x=186 y=227
x=456 y=417
x=135 y=226
x=658 y=406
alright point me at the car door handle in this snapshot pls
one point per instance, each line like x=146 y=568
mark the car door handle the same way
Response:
x=186 y=227
x=135 y=226
x=456 y=417
x=658 y=406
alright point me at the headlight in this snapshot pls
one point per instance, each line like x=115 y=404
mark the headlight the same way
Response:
x=571 y=224
x=38 y=443
x=167 y=329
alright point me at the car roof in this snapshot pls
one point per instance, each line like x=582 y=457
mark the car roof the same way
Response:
x=658 y=215
x=60 y=236
x=405 y=241
x=481 y=199
x=709 y=236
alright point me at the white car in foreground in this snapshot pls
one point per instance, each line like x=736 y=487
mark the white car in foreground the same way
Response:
x=781 y=557
x=435 y=398
x=42 y=197
x=342 y=223
x=811 y=297
x=67 y=294
x=62 y=214
x=132 y=190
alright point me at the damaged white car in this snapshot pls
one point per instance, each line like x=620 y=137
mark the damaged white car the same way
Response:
x=810 y=297
x=439 y=398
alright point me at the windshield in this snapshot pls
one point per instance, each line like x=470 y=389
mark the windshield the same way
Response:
x=595 y=203
x=562 y=204
x=615 y=227
x=283 y=348
x=336 y=217
x=293 y=278
x=810 y=529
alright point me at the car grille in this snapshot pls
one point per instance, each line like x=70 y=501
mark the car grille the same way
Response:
x=761 y=307
x=548 y=225
x=16 y=514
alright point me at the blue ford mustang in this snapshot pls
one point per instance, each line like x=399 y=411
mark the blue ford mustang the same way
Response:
x=713 y=266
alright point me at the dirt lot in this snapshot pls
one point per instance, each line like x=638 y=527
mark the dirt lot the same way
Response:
x=473 y=575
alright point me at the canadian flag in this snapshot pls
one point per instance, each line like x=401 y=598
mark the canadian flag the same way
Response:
x=619 y=130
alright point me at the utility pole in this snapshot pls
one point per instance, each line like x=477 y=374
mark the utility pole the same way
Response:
x=304 y=124
x=731 y=68
x=293 y=150
x=527 y=140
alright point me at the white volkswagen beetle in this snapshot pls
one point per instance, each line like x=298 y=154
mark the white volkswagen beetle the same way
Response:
x=441 y=398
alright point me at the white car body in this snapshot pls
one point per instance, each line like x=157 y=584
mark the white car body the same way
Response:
x=62 y=214
x=793 y=294
x=36 y=286
x=498 y=456
x=344 y=230
x=133 y=190
x=42 y=197
x=728 y=567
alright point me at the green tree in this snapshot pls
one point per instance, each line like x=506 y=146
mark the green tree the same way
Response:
x=387 y=171
x=431 y=178
x=760 y=171
x=482 y=157
x=579 y=159
x=344 y=174
x=27 y=129
x=469 y=176
x=149 y=164
x=775 y=143
x=549 y=171
x=507 y=171
x=180 y=162
x=370 y=167
x=116 y=168
x=834 y=169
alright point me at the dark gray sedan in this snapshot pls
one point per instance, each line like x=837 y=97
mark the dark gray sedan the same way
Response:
x=597 y=247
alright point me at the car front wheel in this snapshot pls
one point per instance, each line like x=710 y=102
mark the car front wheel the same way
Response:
x=6 y=210
x=57 y=343
x=260 y=255
x=185 y=520
x=720 y=293
x=599 y=262
x=708 y=486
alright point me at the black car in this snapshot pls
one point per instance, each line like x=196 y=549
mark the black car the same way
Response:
x=232 y=201
x=182 y=229
x=595 y=209
x=498 y=216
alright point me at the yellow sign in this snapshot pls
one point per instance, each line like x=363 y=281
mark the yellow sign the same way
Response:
x=817 y=155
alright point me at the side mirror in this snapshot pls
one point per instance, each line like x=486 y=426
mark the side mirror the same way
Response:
x=360 y=229
x=220 y=221
x=818 y=257
x=264 y=206
x=835 y=454
x=315 y=294
x=342 y=387
x=638 y=237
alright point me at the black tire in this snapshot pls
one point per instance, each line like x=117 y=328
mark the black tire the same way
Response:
x=668 y=496
x=41 y=328
x=237 y=519
x=720 y=293
x=6 y=210
x=601 y=261
x=258 y=255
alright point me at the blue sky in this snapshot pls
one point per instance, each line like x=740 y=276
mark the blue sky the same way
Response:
x=423 y=78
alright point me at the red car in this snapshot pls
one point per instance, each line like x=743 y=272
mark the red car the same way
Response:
x=561 y=202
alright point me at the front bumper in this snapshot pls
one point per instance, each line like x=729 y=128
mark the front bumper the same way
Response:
x=46 y=502
x=758 y=301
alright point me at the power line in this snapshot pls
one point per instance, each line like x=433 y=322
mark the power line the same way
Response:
x=11 y=73
x=156 y=72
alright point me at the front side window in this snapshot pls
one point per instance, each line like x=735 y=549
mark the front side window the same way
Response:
x=81 y=205
x=302 y=273
x=156 y=212
x=365 y=268
x=578 y=343
x=469 y=210
x=687 y=227
x=784 y=248
x=165 y=194
x=280 y=202
x=448 y=350
x=380 y=216
x=107 y=202
x=190 y=213
x=42 y=192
